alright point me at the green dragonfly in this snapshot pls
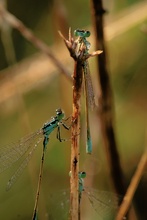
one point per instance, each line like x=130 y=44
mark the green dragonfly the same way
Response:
x=84 y=45
x=13 y=152
x=104 y=203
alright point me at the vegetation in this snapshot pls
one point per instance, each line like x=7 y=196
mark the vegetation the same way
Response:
x=33 y=101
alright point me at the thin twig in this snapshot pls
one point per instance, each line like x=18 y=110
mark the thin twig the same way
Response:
x=106 y=101
x=77 y=86
x=132 y=187
x=28 y=34
x=79 y=57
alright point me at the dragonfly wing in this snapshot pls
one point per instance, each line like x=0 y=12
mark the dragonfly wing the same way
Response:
x=104 y=203
x=88 y=86
x=19 y=171
x=9 y=154
x=59 y=205
x=90 y=102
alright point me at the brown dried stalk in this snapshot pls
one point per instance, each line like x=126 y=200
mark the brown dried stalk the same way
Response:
x=79 y=57
x=106 y=101
x=77 y=86
x=132 y=187
x=28 y=34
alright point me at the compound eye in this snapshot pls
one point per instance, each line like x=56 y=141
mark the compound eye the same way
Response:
x=87 y=33
x=82 y=174
x=58 y=111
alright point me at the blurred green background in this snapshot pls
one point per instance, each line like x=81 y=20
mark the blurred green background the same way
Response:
x=26 y=111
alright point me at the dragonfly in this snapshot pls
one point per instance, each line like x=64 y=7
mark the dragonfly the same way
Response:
x=11 y=153
x=84 y=45
x=104 y=203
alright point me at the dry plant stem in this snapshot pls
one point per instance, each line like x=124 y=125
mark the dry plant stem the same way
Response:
x=79 y=57
x=77 y=84
x=106 y=102
x=28 y=34
x=75 y=129
x=132 y=187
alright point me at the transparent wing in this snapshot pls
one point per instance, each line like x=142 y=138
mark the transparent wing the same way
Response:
x=88 y=86
x=9 y=154
x=90 y=102
x=104 y=203
x=59 y=205
x=19 y=171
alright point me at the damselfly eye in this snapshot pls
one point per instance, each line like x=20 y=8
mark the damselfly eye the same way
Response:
x=81 y=33
x=58 y=111
x=82 y=174
x=87 y=33
x=78 y=32
x=75 y=33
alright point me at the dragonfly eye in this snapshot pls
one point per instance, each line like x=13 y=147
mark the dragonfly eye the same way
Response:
x=81 y=33
x=82 y=174
x=87 y=33
x=77 y=32
x=58 y=111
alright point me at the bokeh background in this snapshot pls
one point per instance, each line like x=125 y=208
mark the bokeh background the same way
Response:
x=31 y=88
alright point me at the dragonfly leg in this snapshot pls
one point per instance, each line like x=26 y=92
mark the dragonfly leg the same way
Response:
x=65 y=126
x=59 y=133
x=66 y=119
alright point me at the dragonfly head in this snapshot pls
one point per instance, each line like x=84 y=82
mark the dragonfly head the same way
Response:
x=59 y=114
x=81 y=33
x=82 y=174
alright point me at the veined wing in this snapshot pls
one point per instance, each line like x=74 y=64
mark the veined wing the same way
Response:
x=59 y=205
x=90 y=102
x=104 y=203
x=88 y=86
x=25 y=162
x=9 y=154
